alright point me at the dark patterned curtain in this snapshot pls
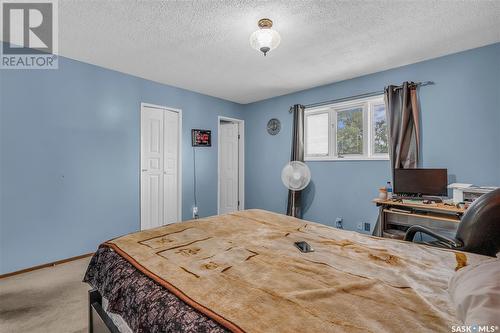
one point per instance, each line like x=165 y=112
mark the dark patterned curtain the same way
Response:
x=404 y=126
x=294 y=205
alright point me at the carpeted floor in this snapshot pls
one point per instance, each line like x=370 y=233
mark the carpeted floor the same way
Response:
x=46 y=300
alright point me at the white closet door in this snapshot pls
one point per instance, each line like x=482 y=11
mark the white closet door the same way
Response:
x=159 y=167
x=171 y=166
x=229 y=187
x=152 y=142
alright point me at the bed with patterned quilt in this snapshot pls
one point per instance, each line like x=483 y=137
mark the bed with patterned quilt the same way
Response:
x=241 y=272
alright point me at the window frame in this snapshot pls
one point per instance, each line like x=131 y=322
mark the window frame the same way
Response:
x=366 y=104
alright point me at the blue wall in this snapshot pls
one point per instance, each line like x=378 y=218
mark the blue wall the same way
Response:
x=70 y=158
x=461 y=132
x=69 y=149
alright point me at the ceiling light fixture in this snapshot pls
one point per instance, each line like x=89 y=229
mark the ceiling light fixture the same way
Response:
x=265 y=39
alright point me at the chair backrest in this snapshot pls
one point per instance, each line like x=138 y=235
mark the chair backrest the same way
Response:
x=479 y=229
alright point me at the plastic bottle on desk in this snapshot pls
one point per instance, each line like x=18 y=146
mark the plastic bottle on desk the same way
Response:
x=388 y=187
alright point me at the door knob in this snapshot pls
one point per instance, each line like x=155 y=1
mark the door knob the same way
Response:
x=144 y=170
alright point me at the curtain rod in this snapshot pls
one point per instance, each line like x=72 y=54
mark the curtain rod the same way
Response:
x=344 y=99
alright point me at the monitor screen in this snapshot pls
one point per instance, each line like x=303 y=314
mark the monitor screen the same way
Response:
x=421 y=181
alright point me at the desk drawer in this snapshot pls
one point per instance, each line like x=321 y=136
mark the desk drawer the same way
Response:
x=407 y=220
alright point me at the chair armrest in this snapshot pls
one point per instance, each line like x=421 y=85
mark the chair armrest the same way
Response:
x=452 y=243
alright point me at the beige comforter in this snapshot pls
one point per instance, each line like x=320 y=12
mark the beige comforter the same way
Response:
x=244 y=271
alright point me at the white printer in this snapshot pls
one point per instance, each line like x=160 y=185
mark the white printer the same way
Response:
x=468 y=192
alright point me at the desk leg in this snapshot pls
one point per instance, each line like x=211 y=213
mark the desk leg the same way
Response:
x=379 y=228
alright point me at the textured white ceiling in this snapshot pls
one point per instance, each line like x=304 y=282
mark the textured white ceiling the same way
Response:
x=203 y=45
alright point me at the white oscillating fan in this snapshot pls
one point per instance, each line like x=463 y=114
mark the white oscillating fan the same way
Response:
x=296 y=175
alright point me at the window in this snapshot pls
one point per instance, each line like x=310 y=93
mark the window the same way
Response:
x=355 y=130
x=380 y=139
x=350 y=140
x=317 y=127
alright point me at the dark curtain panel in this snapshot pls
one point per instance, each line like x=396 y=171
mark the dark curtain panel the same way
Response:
x=403 y=123
x=293 y=206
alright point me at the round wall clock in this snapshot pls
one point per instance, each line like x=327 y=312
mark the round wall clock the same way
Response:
x=273 y=126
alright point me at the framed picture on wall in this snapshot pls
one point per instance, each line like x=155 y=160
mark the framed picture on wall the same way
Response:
x=201 y=138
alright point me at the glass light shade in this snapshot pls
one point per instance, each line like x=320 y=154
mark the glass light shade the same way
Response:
x=265 y=40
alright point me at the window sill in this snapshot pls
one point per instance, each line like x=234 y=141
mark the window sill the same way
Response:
x=344 y=159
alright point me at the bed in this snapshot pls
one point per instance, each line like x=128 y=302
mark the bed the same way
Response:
x=241 y=272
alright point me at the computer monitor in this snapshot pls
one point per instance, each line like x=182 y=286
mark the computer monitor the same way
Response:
x=421 y=182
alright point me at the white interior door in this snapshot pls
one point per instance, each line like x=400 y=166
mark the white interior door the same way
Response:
x=159 y=167
x=171 y=165
x=229 y=168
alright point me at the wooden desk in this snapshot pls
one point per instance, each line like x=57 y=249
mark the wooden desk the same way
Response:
x=397 y=216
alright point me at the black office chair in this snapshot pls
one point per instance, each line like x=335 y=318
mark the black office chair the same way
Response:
x=478 y=231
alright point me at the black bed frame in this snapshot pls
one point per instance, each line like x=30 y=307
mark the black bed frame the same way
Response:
x=99 y=321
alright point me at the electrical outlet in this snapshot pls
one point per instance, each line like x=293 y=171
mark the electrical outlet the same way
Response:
x=338 y=223
x=367 y=226
x=195 y=212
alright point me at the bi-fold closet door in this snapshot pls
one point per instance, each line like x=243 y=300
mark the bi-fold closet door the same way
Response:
x=160 y=187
